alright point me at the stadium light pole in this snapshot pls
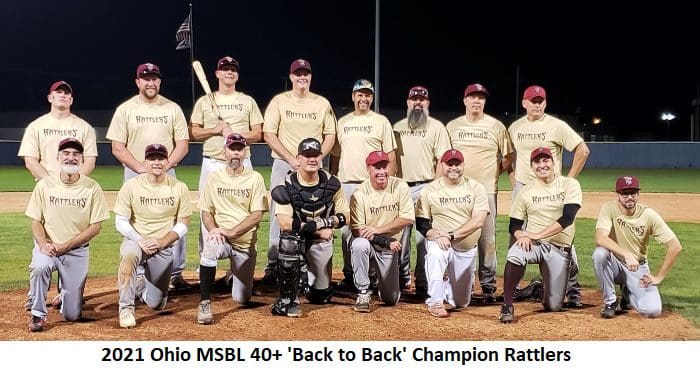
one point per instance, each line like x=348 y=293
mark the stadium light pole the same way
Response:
x=376 y=56
x=668 y=117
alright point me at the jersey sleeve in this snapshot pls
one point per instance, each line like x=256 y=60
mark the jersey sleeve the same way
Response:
x=34 y=208
x=197 y=116
x=357 y=210
x=185 y=209
x=259 y=200
x=284 y=209
x=90 y=142
x=442 y=143
x=179 y=125
x=206 y=202
x=423 y=205
x=406 y=208
x=329 y=121
x=29 y=147
x=99 y=211
x=388 y=138
x=659 y=229
x=122 y=206
x=272 y=117
x=605 y=218
x=117 y=127
x=573 y=192
x=481 y=202
x=569 y=138
x=505 y=144
x=341 y=205
x=518 y=209
x=255 y=118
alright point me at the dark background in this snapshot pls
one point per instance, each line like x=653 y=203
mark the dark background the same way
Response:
x=624 y=66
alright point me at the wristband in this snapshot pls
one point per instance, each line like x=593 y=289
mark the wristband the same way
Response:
x=180 y=229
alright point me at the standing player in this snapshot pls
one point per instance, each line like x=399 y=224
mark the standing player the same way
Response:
x=537 y=129
x=485 y=140
x=359 y=133
x=450 y=214
x=548 y=207
x=239 y=114
x=421 y=141
x=291 y=117
x=232 y=205
x=152 y=212
x=380 y=210
x=622 y=241
x=149 y=118
x=66 y=212
x=311 y=205
x=41 y=138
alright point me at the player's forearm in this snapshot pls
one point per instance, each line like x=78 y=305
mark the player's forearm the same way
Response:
x=327 y=144
x=392 y=166
x=286 y=222
x=506 y=163
x=254 y=135
x=38 y=232
x=581 y=154
x=199 y=133
x=88 y=165
x=395 y=226
x=551 y=230
x=602 y=238
x=673 y=250
x=35 y=168
x=276 y=146
x=334 y=165
x=84 y=237
x=179 y=152
x=126 y=158
x=474 y=223
x=246 y=225
x=208 y=220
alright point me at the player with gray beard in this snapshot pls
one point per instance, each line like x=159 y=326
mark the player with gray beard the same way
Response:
x=291 y=117
x=150 y=118
x=421 y=142
x=152 y=212
x=66 y=213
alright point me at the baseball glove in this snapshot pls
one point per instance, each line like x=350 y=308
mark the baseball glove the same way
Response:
x=533 y=291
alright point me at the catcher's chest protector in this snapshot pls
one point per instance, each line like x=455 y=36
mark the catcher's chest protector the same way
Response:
x=312 y=201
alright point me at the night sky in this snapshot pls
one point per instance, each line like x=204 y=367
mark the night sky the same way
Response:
x=624 y=66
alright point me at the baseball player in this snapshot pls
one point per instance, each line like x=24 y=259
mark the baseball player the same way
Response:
x=152 y=212
x=450 y=214
x=40 y=143
x=232 y=205
x=537 y=129
x=358 y=134
x=549 y=206
x=620 y=257
x=421 y=142
x=66 y=212
x=485 y=140
x=289 y=118
x=239 y=114
x=380 y=210
x=310 y=205
x=149 y=118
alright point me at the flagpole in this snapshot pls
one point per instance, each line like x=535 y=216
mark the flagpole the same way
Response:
x=192 y=54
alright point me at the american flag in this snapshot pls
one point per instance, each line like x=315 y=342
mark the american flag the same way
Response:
x=184 y=35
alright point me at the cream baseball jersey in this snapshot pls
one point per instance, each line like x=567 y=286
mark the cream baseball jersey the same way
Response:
x=357 y=136
x=420 y=149
x=379 y=207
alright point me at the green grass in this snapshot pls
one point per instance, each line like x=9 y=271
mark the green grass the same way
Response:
x=679 y=290
x=17 y=178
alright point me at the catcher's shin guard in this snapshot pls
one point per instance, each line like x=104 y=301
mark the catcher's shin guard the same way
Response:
x=288 y=274
x=319 y=296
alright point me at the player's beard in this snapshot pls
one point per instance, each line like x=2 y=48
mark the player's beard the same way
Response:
x=417 y=117
x=235 y=163
x=70 y=169
x=455 y=174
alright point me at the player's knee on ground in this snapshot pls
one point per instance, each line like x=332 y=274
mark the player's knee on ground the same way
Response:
x=71 y=308
x=391 y=298
x=155 y=303
x=549 y=305
x=650 y=310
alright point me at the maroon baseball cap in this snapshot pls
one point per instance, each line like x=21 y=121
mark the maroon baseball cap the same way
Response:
x=146 y=69
x=70 y=142
x=60 y=84
x=418 y=91
x=452 y=154
x=475 y=88
x=156 y=149
x=534 y=91
x=376 y=157
x=235 y=138
x=300 y=64
x=626 y=182
x=541 y=151
x=227 y=61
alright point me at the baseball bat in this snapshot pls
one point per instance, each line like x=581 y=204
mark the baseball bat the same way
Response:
x=202 y=77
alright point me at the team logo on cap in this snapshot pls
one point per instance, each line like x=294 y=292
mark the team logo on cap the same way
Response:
x=628 y=180
x=149 y=66
x=302 y=63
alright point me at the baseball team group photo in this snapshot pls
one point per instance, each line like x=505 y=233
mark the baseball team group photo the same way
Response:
x=361 y=228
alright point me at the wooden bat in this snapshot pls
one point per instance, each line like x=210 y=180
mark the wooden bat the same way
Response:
x=202 y=77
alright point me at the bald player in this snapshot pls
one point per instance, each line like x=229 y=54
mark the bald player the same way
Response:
x=486 y=142
x=538 y=129
x=40 y=143
x=421 y=142
x=149 y=118
x=548 y=208
x=622 y=235
x=232 y=204
x=359 y=133
x=152 y=212
x=291 y=117
x=239 y=114
x=450 y=213
x=66 y=212
x=380 y=210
